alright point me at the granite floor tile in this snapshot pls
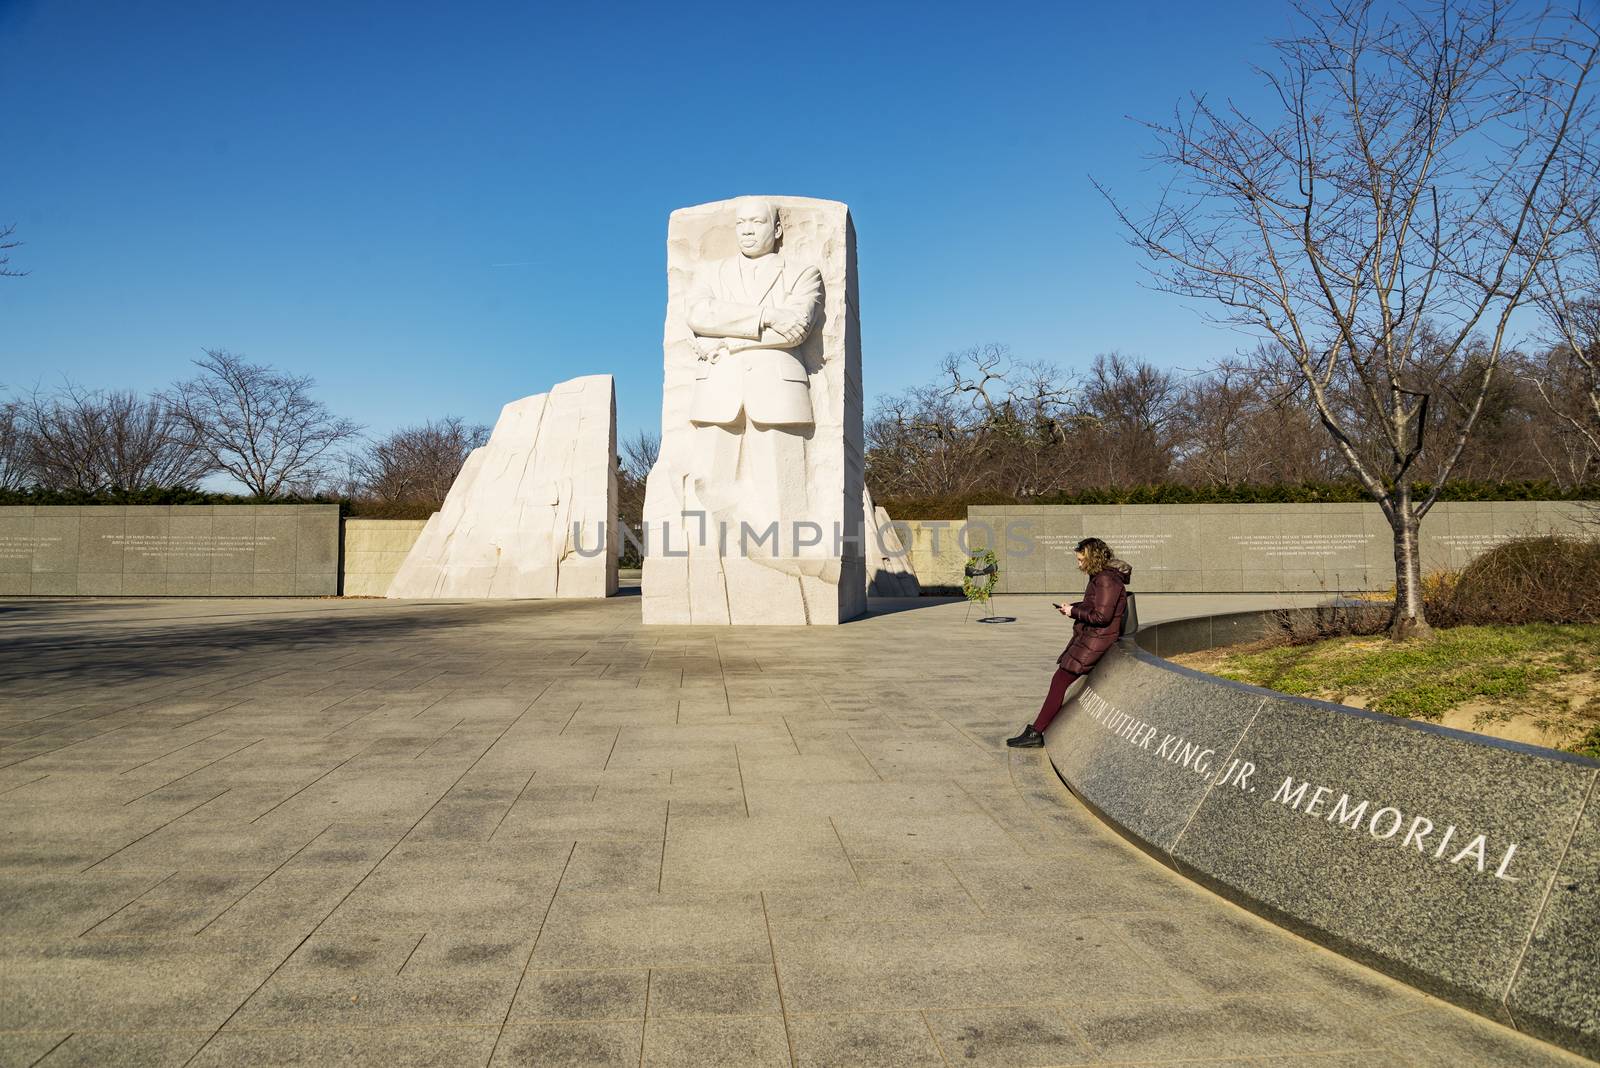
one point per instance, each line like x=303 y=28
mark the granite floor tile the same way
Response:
x=890 y=802
x=864 y=1040
x=750 y=990
x=707 y=853
x=581 y=995
x=716 y=1042
x=1446 y=1037
x=611 y=866
x=23 y=1049
x=875 y=903
x=181 y=904
x=388 y=1047
x=67 y=905
x=128 y=983
x=1263 y=1026
x=1052 y=886
x=867 y=837
x=568 y=1044
x=1018 y=1036
x=304 y=999
x=125 y=1049
x=1211 y=955
x=653 y=930
x=856 y=967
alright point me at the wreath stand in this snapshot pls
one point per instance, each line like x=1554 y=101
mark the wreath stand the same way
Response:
x=982 y=571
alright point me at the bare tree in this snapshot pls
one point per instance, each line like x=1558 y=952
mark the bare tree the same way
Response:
x=1567 y=291
x=1133 y=411
x=920 y=443
x=1018 y=418
x=92 y=441
x=1563 y=387
x=994 y=423
x=636 y=456
x=6 y=245
x=418 y=464
x=1218 y=410
x=639 y=455
x=1423 y=165
x=15 y=473
x=258 y=424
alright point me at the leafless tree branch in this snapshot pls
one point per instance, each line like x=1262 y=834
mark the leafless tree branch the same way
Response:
x=258 y=424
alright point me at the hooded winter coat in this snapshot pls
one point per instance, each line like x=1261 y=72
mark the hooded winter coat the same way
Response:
x=1097 y=619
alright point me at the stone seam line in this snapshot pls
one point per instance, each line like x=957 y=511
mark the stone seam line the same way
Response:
x=1172 y=851
x=528 y=963
x=1544 y=903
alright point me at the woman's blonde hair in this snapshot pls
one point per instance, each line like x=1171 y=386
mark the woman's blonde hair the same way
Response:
x=1096 y=555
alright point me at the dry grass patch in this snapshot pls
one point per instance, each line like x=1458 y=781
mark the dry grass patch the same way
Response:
x=1535 y=683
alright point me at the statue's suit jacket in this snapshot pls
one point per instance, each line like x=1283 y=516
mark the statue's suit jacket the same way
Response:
x=757 y=373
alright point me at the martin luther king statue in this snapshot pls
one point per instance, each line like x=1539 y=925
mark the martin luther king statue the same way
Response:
x=753 y=507
x=748 y=313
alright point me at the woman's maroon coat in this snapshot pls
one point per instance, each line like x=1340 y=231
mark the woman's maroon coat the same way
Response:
x=1097 y=619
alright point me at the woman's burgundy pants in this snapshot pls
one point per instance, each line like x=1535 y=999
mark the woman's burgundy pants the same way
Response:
x=1052 y=701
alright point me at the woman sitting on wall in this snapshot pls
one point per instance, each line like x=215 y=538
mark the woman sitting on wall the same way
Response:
x=1097 y=624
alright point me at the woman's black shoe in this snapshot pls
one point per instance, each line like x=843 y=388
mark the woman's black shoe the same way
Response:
x=1028 y=739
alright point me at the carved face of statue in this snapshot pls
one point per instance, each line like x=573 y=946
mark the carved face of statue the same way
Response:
x=756 y=226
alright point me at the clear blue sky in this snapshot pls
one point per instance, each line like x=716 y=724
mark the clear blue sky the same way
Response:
x=438 y=208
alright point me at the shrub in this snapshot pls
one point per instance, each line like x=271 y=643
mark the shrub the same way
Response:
x=370 y=509
x=149 y=495
x=1549 y=579
x=1588 y=745
x=1304 y=626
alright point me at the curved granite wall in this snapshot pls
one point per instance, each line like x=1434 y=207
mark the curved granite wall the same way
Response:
x=1464 y=865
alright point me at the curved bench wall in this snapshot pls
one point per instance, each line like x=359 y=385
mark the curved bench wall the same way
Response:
x=1463 y=865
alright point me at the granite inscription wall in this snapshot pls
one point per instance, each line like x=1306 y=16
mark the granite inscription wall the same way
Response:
x=1464 y=865
x=1250 y=548
x=172 y=551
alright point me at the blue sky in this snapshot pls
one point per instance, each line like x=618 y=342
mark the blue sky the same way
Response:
x=435 y=209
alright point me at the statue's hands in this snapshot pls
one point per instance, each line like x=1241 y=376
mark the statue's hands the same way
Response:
x=709 y=349
x=788 y=326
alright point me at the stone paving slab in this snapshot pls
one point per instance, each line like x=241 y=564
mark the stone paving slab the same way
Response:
x=396 y=833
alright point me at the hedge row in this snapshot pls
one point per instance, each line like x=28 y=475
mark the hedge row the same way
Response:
x=955 y=507
x=158 y=495
x=189 y=495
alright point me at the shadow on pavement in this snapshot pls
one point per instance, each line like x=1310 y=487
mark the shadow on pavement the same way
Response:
x=96 y=641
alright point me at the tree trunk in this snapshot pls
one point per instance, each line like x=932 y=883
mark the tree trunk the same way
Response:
x=1410 y=619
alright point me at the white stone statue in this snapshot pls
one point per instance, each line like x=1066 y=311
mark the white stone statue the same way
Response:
x=748 y=313
x=533 y=513
x=753 y=508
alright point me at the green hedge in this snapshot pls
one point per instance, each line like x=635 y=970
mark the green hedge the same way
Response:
x=159 y=495
x=955 y=507
x=178 y=495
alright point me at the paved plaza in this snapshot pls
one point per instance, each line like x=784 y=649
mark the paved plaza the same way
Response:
x=397 y=833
